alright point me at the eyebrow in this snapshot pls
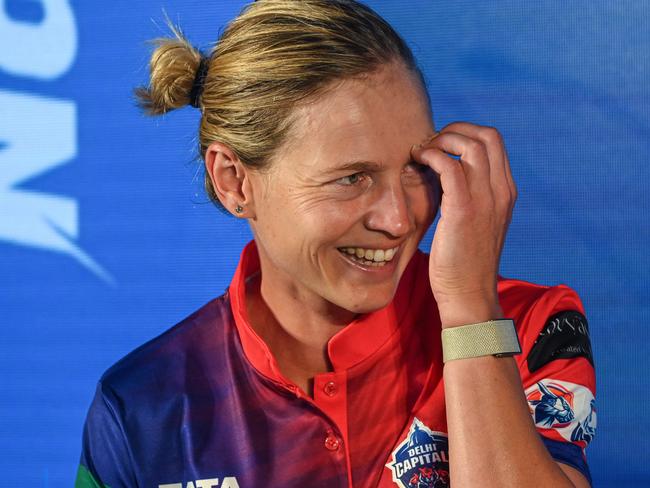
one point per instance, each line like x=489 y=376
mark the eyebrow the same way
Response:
x=354 y=166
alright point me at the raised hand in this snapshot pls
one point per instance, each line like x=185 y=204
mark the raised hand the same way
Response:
x=478 y=195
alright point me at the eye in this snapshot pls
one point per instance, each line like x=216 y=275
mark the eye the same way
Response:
x=415 y=171
x=415 y=168
x=352 y=180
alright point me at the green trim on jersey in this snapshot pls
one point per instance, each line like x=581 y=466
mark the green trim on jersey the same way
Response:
x=85 y=479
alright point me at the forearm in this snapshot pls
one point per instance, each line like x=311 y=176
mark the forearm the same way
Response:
x=492 y=438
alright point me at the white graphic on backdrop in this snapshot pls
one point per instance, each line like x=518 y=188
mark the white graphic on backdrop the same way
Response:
x=38 y=134
x=45 y=50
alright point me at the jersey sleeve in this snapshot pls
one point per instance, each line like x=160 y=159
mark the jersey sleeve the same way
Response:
x=105 y=458
x=557 y=371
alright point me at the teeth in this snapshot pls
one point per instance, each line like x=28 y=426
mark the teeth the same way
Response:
x=371 y=257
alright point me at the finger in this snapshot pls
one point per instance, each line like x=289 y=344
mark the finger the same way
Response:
x=498 y=162
x=452 y=176
x=511 y=181
x=473 y=159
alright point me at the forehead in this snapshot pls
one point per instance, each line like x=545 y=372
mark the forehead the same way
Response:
x=377 y=118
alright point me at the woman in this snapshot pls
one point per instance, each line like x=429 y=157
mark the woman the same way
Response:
x=323 y=364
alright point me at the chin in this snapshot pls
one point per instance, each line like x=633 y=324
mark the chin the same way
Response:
x=369 y=304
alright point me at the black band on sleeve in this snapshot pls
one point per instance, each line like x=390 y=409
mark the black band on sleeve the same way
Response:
x=565 y=335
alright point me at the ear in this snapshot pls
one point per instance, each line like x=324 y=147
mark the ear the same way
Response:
x=230 y=179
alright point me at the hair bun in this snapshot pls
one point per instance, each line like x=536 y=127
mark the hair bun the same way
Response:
x=174 y=80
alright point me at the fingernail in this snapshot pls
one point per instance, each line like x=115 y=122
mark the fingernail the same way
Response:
x=421 y=145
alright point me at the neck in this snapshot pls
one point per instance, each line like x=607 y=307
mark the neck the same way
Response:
x=296 y=327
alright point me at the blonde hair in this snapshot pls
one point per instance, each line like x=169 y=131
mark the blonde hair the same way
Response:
x=275 y=55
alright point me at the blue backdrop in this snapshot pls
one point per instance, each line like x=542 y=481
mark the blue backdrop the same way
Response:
x=106 y=238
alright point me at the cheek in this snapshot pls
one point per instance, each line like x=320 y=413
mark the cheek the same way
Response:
x=323 y=218
x=295 y=232
x=322 y=231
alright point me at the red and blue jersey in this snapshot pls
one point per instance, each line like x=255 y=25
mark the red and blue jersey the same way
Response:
x=205 y=404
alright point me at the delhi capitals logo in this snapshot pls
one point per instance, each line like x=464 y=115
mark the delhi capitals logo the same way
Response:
x=552 y=404
x=563 y=410
x=422 y=459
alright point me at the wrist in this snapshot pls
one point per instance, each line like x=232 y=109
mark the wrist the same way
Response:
x=468 y=310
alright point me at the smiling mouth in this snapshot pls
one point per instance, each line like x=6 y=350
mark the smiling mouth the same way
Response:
x=369 y=257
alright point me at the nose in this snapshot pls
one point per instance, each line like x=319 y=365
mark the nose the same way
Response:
x=390 y=212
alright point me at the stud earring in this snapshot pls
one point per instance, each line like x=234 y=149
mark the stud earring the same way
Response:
x=239 y=209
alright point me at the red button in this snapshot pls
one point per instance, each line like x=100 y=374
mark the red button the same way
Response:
x=332 y=442
x=330 y=389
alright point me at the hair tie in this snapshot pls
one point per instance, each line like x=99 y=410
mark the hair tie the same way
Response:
x=199 y=79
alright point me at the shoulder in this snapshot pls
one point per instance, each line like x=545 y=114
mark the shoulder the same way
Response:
x=553 y=332
x=550 y=321
x=521 y=297
x=165 y=361
x=145 y=397
x=534 y=307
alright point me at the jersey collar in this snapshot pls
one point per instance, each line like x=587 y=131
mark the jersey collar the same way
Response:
x=356 y=342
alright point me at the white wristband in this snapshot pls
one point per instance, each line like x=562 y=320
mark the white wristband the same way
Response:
x=493 y=338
